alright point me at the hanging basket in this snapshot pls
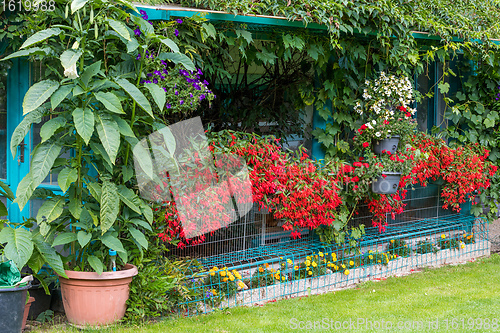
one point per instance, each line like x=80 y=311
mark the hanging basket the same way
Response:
x=388 y=144
x=388 y=184
x=440 y=181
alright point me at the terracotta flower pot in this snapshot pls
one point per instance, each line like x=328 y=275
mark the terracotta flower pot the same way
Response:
x=91 y=299
x=26 y=311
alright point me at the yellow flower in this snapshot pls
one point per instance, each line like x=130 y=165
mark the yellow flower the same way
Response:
x=443 y=236
x=289 y=261
x=379 y=261
x=281 y=258
x=267 y=265
x=343 y=266
x=272 y=270
x=310 y=273
x=214 y=292
x=283 y=278
x=307 y=263
x=324 y=260
x=222 y=273
x=314 y=264
x=241 y=284
x=335 y=267
x=370 y=256
x=351 y=263
x=370 y=251
x=308 y=258
x=261 y=269
x=231 y=277
x=328 y=265
x=392 y=241
x=465 y=235
x=346 y=272
x=316 y=256
x=296 y=267
x=215 y=268
x=462 y=246
x=326 y=253
x=320 y=254
x=334 y=259
x=469 y=237
x=225 y=279
x=278 y=271
x=277 y=276
x=308 y=268
x=212 y=273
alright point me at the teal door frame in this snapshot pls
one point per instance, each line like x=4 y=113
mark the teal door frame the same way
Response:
x=18 y=83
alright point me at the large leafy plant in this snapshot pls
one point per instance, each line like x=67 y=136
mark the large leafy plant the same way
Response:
x=98 y=110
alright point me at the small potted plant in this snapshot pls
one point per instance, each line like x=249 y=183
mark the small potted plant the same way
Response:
x=385 y=106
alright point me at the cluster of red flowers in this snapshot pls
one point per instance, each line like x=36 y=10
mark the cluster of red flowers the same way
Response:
x=464 y=169
x=292 y=188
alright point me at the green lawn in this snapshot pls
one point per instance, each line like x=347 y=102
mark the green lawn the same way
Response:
x=454 y=295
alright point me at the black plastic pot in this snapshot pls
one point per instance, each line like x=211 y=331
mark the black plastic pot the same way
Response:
x=440 y=181
x=12 y=301
x=388 y=184
x=388 y=144
x=41 y=303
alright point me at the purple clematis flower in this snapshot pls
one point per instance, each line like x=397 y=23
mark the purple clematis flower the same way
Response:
x=149 y=74
x=137 y=32
x=164 y=89
x=190 y=95
x=181 y=102
x=196 y=86
x=138 y=57
x=157 y=73
x=176 y=93
x=178 y=21
x=168 y=106
x=176 y=33
x=202 y=97
x=199 y=71
x=155 y=80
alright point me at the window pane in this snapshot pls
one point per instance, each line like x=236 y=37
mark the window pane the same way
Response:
x=423 y=106
x=3 y=121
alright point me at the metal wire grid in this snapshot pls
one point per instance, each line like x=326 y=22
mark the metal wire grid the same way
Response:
x=434 y=241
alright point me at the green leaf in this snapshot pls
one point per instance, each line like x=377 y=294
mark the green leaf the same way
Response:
x=112 y=243
x=19 y=245
x=120 y=28
x=43 y=158
x=38 y=94
x=66 y=177
x=90 y=72
x=179 y=58
x=210 y=30
x=444 y=87
x=111 y=102
x=23 y=128
x=147 y=212
x=25 y=53
x=50 y=255
x=488 y=123
x=51 y=209
x=6 y=191
x=95 y=190
x=77 y=4
x=60 y=95
x=25 y=190
x=141 y=223
x=99 y=149
x=41 y=36
x=170 y=44
x=129 y=198
x=139 y=237
x=158 y=94
x=96 y=264
x=247 y=35
x=108 y=133
x=123 y=126
x=84 y=123
x=83 y=237
x=110 y=207
x=75 y=208
x=64 y=238
x=136 y=95
x=50 y=127
x=70 y=57
x=143 y=157
x=36 y=261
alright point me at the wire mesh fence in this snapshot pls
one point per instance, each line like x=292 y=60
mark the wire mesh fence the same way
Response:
x=254 y=261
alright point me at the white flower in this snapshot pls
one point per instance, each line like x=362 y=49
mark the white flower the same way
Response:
x=374 y=122
x=71 y=72
x=377 y=134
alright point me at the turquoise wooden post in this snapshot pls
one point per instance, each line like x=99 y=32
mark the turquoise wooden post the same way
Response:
x=17 y=86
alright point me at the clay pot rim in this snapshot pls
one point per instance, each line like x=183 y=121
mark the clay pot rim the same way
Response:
x=128 y=271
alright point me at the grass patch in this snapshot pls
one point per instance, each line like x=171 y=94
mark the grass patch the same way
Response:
x=447 y=293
